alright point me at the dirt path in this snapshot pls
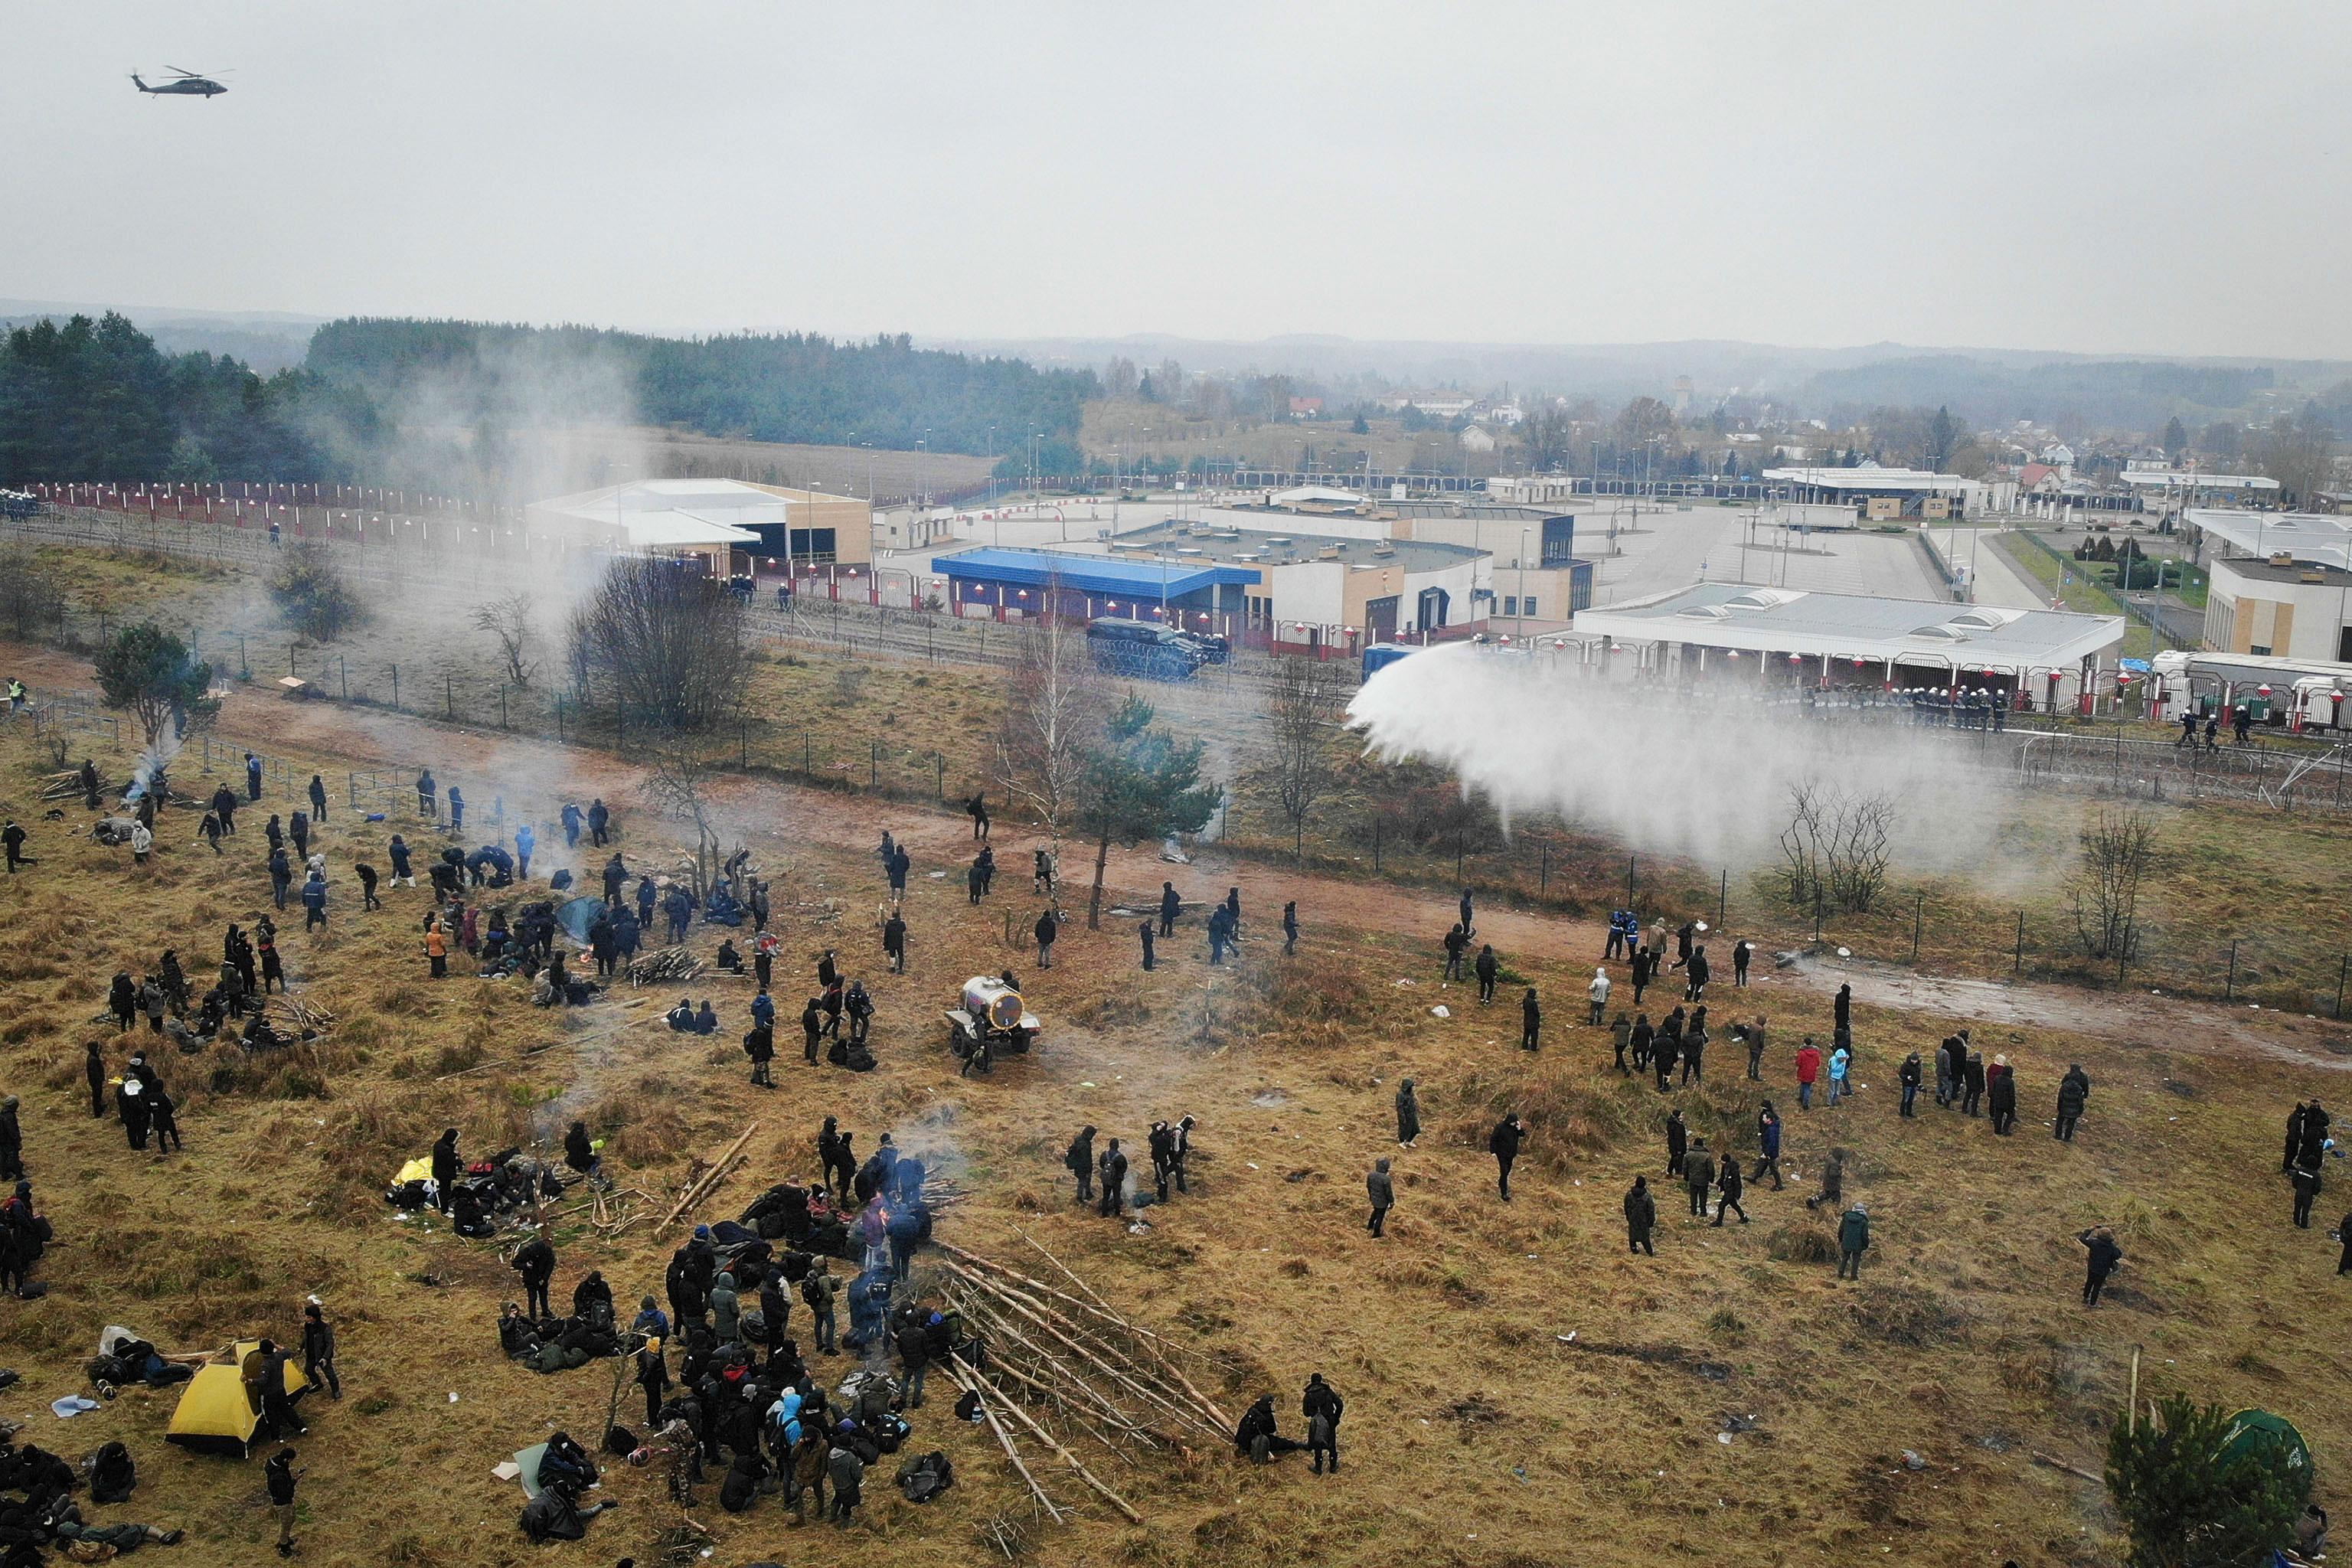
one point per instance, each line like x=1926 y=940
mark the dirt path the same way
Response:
x=937 y=838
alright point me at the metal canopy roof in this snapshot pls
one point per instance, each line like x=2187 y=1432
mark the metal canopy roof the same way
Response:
x=1870 y=478
x=1091 y=574
x=1851 y=626
x=2312 y=536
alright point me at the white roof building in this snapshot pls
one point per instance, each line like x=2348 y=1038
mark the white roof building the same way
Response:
x=1892 y=634
x=2318 y=538
x=2193 y=479
x=710 y=517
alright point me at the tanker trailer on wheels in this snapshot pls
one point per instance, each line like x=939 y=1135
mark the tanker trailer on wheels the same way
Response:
x=989 y=1018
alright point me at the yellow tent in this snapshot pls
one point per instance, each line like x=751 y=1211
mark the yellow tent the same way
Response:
x=213 y=1416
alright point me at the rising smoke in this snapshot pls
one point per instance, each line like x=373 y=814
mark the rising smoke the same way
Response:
x=1665 y=774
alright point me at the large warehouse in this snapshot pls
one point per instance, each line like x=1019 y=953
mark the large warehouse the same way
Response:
x=729 y=524
x=1726 y=631
x=1294 y=592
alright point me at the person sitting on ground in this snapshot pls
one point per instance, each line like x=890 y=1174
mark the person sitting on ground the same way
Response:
x=728 y=960
x=1255 y=1437
x=681 y=1017
x=705 y=1022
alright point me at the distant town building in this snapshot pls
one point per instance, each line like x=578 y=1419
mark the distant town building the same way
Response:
x=1475 y=439
x=726 y=525
x=1305 y=408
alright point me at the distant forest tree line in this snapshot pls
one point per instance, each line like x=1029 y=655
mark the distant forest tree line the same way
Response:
x=793 y=386
x=385 y=401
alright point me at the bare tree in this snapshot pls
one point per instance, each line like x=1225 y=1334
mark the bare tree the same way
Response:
x=1800 y=843
x=1306 y=704
x=509 y=622
x=1857 y=850
x=680 y=788
x=1055 y=705
x=669 y=644
x=2116 y=849
x=1837 y=847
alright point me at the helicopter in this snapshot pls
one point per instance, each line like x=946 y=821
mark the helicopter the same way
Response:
x=186 y=84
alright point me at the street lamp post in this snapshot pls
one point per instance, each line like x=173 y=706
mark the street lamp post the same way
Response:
x=1523 y=587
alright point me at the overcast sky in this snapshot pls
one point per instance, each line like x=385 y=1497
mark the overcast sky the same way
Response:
x=2151 y=177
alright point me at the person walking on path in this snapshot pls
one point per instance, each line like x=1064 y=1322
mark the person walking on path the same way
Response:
x=1488 y=968
x=1910 y=1076
x=1456 y=940
x=1677 y=1141
x=1143 y=929
x=1531 y=1020
x=1290 y=947
x=1699 y=1175
x=1841 y=1063
x=1504 y=1144
x=1809 y=1070
x=2000 y=1096
x=2103 y=1255
x=1768 y=1141
x=1973 y=1084
x=319 y=1349
x=2306 y=1187
x=2073 y=1090
x=1640 y=1217
x=1079 y=1161
x=1381 y=1188
x=1595 y=994
x=1854 y=1240
x=1741 y=952
x=1112 y=1169
x=1756 y=1050
x=977 y=809
x=1047 y=928
x=1729 y=1185
x=279 y=1477
x=1408 y=1115
x=1832 y=1191
x=1620 y=1034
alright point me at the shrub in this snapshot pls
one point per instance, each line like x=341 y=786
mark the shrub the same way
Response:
x=312 y=595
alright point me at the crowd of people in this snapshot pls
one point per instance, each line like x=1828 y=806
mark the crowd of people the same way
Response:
x=725 y=1383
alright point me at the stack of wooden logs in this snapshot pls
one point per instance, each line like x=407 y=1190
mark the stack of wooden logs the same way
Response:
x=1065 y=1356
x=302 y=1020
x=663 y=965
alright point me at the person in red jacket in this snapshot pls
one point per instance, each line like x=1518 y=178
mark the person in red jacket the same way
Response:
x=1809 y=1067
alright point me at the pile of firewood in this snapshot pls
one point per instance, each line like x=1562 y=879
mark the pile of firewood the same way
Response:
x=301 y=1019
x=663 y=966
x=1067 y=1358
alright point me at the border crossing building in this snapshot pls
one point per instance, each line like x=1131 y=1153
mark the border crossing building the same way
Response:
x=1724 y=631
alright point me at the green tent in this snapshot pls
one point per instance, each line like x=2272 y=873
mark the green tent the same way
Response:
x=2251 y=1430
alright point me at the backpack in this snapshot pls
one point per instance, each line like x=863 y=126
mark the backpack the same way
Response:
x=926 y=1476
x=890 y=1432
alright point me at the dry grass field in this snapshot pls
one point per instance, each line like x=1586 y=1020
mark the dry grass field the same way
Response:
x=1477 y=1433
